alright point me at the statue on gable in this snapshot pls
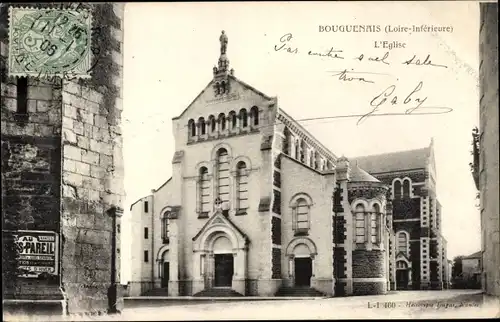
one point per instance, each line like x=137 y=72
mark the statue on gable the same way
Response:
x=223 y=43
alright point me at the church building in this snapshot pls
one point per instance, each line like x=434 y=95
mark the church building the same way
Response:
x=257 y=206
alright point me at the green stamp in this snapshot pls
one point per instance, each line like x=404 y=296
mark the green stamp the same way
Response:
x=49 y=42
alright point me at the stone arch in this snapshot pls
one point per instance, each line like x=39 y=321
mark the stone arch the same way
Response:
x=404 y=182
x=162 y=252
x=407 y=238
x=301 y=241
x=360 y=201
x=212 y=124
x=235 y=161
x=205 y=164
x=254 y=113
x=398 y=186
x=221 y=145
x=206 y=241
x=403 y=261
x=375 y=202
x=243 y=114
x=297 y=196
x=202 y=126
x=192 y=128
x=233 y=119
x=220 y=243
x=222 y=121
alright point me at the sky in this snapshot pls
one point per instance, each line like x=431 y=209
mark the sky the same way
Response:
x=171 y=48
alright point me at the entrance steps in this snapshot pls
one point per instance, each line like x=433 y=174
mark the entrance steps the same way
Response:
x=299 y=291
x=156 y=292
x=218 y=292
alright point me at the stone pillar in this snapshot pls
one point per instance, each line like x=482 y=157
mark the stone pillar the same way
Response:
x=239 y=277
x=199 y=260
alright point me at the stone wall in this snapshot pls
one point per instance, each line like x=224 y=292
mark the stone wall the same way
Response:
x=489 y=162
x=31 y=163
x=92 y=171
x=66 y=158
x=369 y=272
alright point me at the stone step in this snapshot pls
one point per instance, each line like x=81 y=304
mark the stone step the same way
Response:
x=218 y=292
x=299 y=292
x=156 y=292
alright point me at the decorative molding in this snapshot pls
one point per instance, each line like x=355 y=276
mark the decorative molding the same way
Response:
x=264 y=204
x=289 y=122
x=224 y=98
x=267 y=142
x=178 y=157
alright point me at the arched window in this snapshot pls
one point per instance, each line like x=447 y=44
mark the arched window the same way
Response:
x=192 y=128
x=222 y=122
x=375 y=226
x=201 y=124
x=402 y=239
x=217 y=88
x=164 y=227
x=254 y=112
x=287 y=142
x=204 y=186
x=223 y=175
x=233 y=119
x=406 y=188
x=397 y=189
x=303 y=151
x=360 y=224
x=244 y=117
x=241 y=186
x=223 y=87
x=302 y=216
x=211 y=120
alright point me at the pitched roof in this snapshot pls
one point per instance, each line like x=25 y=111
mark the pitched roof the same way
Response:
x=394 y=161
x=360 y=175
x=474 y=255
x=242 y=83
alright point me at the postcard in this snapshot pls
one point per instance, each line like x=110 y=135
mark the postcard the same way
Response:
x=250 y=160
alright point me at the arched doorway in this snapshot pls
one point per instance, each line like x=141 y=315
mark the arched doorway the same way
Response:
x=302 y=265
x=301 y=252
x=165 y=270
x=219 y=255
x=402 y=275
x=223 y=261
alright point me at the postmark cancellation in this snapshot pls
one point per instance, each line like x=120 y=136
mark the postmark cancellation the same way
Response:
x=49 y=42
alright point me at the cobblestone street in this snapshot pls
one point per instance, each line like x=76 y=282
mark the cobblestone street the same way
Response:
x=396 y=305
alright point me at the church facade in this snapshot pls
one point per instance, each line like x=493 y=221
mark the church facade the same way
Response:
x=257 y=206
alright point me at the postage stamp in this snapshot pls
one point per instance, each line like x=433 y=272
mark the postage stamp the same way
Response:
x=49 y=42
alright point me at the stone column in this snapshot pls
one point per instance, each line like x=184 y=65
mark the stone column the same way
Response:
x=199 y=260
x=238 y=283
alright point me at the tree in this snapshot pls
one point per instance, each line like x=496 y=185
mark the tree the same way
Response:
x=456 y=273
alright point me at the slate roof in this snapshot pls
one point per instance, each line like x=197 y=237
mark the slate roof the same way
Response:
x=394 y=161
x=474 y=255
x=360 y=175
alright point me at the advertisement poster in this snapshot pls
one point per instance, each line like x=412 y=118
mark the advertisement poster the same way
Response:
x=38 y=252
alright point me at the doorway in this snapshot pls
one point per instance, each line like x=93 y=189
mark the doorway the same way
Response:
x=224 y=269
x=402 y=279
x=303 y=271
x=166 y=275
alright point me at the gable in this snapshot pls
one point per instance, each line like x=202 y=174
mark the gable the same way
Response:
x=241 y=95
x=218 y=219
